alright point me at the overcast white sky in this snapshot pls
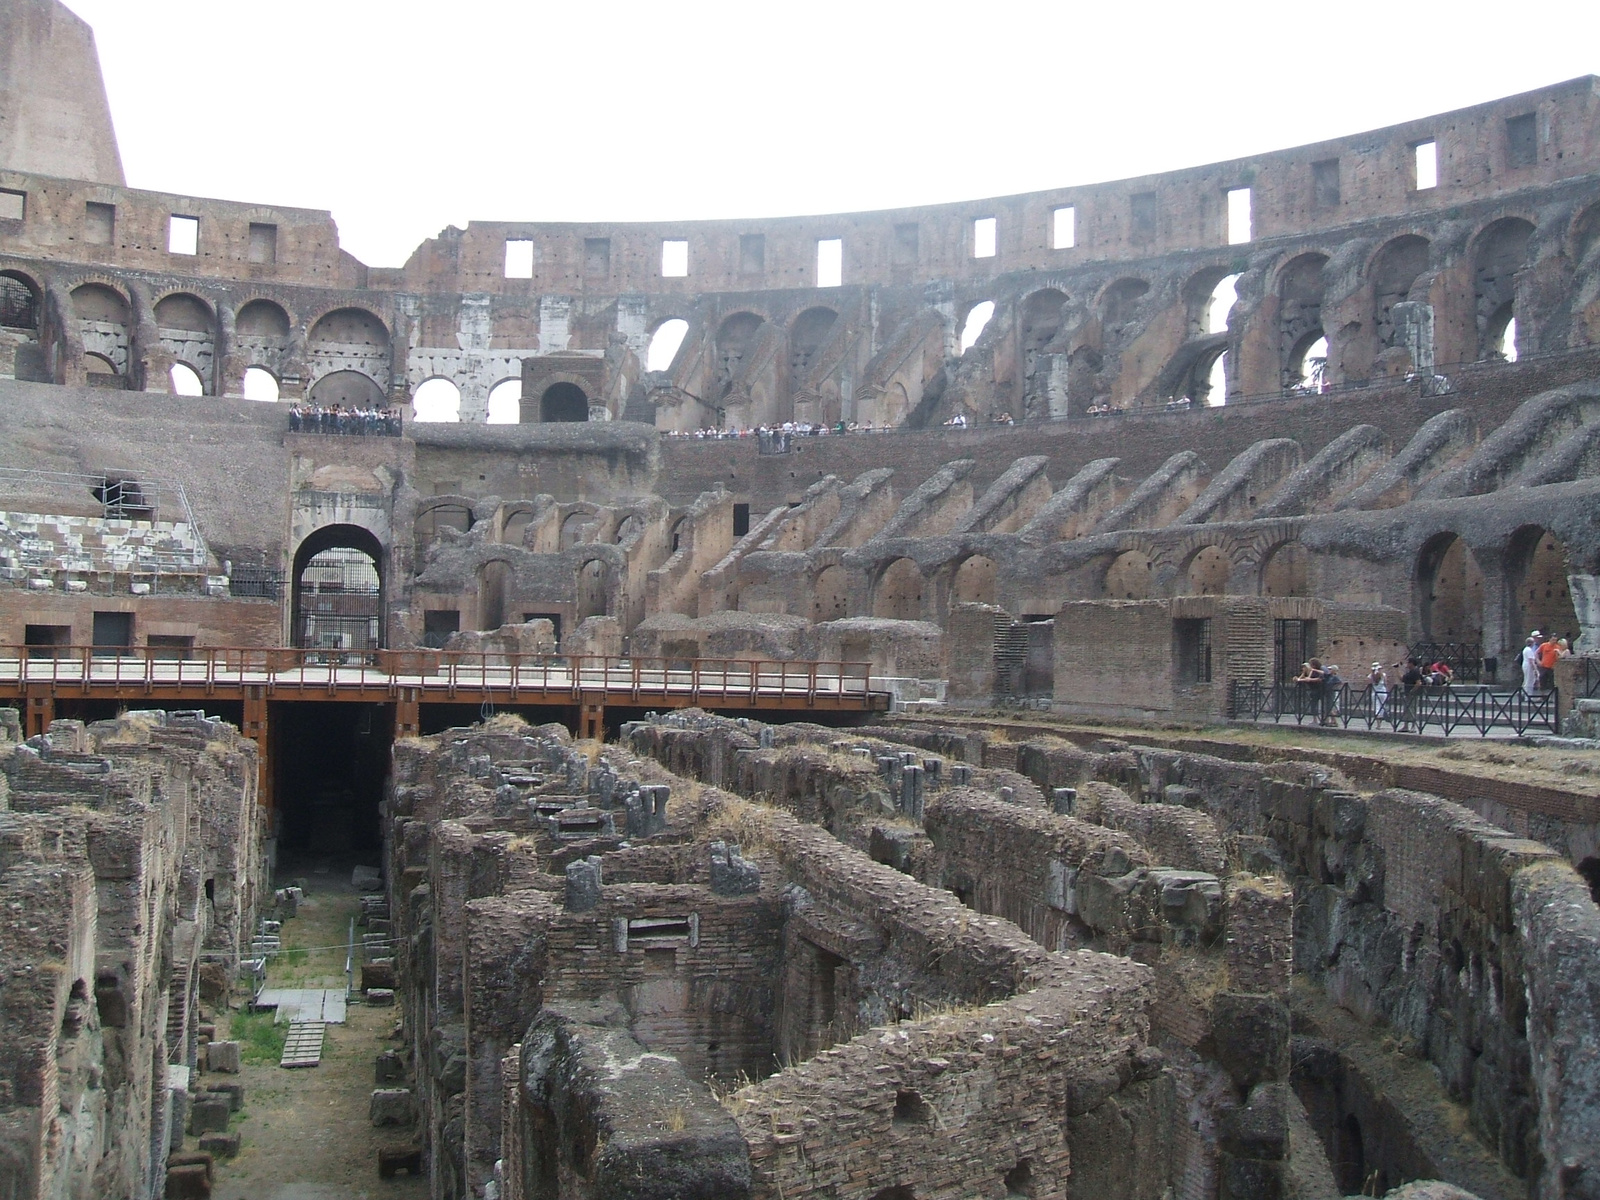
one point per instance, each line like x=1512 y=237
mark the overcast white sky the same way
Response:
x=404 y=116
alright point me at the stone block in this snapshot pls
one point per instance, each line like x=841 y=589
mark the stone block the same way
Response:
x=1252 y=1037
x=209 y=1114
x=378 y=974
x=1185 y=797
x=220 y=1145
x=583 y=884
x=189 y=1182
x=213 y=982
x=380 y=997
x=391 y=1106
x=223 y=1057
x=233 y=1092
x=1248 y=1178
x=192 y=1158
x=1260 y=1128
x=366 y=879
x=388 y=1067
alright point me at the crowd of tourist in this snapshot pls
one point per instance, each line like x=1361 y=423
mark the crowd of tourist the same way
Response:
x=340 y=418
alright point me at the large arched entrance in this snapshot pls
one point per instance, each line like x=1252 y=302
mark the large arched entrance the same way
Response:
x=1450 y=595
x=1540 y=596
x=338 y=590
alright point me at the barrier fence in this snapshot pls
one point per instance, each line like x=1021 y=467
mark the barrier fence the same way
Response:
x=1450 y=709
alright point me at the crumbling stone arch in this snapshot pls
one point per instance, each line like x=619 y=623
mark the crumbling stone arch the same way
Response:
x=1449 y=590
x=494 y=579
x=806 y=336
x=898 y=594
x=563 y=402
x=1198 y=293
x=975 y=581
x=1499 y=251
x=1120 y=305
x=1541 y=596
x=1130 y=576
x=594 y=586
x=736 y=338
x=830 y=594
x=349 y=340
x=262 y=318
x=1284 y=570
x=1206 y=571
x=1300 y=292
x=668 y=336
x=104 y=318
x=187 y=328
x=1392 y=271
x=579 y=525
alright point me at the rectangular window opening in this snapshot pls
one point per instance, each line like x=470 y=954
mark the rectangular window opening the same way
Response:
x=597 y=256
x=1142 y=208
x=674 y=258
x=42 y=640
x=1522 y=141
x=263 y=243
x=12 y=205
x=1239 y=217
x=640 y=928
x=183 y=235
x=1193 y=636
x=741 y=520
x=437 y=626
x=113 y=630
x=905 y=246
x=1427 y=165
x=1064 y=228
x=984 y=236
x=752 y=253
x=519 y=258
x=99 y=223
x=1325 y=183
x=830 y=262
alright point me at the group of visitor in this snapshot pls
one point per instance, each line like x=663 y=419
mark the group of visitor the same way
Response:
x=341 y=418
x=1539 y=657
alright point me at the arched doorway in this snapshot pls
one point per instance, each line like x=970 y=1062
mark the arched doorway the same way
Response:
x=594 y=586
x=1128 y=577
x=338 y=590
x=830 y=595
x=563 y=402
x=974 y=581
x=1208 y=571
x=1450 y=593
x=1541 y=597
x=899 y=595
x=1283 y=572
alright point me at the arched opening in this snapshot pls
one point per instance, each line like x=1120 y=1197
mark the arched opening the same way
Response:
x=810 y=330
x=680 y=532
x=183 y=313
x=99 y=364
x=1219 y=305
x=493 y=577
x=260 y=384
x=347 y=389
x=1307 y=369
x=1300 y=292
x=830 y=598
x=1208 y=571
x=1450 y=592
x=436 y=401
x=665 y=343
x=578 y=528
x=1120 y=306
x=974 y=581
x=19 y=302
x=1541 y=595
x=1283 y=571
x=628 y=530
x=1394 y=269
x=899 y=593
x=97 y=302
x=103 y=318
x=735 y=339
x=262 y=319
x=1501 y=252
x=505 y=402
x=1589 y=868
x=563 y=402
x=1129 y=576
x=594 y=580
x=186 y=380
x=1349 y=1157
x=1041 y=320
x=350 y=340
x=978 y=318
x=338 y=590
x=434 y=520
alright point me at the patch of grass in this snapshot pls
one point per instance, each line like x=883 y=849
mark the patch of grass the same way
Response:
x=260 y=1041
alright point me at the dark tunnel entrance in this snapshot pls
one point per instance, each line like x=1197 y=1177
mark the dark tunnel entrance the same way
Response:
x=330 y=761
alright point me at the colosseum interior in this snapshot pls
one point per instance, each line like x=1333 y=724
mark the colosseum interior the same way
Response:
x=804 y=707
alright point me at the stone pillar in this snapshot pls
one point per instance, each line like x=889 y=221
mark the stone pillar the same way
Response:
x=1413 y=331
x=1585 y=591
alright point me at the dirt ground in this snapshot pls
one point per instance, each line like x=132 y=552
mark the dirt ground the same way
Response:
x=305 y=1134
x=1494 y=758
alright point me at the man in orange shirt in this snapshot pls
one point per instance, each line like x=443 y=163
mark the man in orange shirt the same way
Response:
x=1549 y=652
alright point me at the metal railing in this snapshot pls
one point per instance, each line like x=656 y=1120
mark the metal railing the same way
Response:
x=438 y=674
x=1450 y=709
x=121 y=496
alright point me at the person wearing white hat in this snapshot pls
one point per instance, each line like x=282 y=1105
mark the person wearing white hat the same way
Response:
x=1530 y=663
x=1379 y=683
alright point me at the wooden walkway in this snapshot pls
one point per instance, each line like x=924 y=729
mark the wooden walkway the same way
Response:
x=303 y=1047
